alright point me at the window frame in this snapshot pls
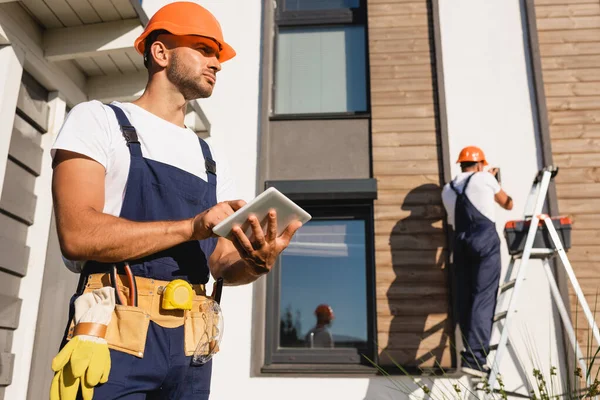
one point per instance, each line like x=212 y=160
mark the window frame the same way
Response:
x=321 y=19
x=336 y=359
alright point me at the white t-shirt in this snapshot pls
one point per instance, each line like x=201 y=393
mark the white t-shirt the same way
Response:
x=92 y=129
x=481 y=191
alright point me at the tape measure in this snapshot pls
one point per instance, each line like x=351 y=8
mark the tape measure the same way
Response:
x=178 y=295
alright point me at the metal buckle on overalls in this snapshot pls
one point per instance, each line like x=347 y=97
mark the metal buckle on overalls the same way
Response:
x=130 y=134
x=211 y=166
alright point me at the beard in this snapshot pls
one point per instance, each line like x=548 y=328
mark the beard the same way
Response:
x=191 y=88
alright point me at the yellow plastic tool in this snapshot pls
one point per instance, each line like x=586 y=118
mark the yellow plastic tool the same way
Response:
x=178 y=295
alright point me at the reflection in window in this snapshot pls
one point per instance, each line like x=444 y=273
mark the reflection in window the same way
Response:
x=321 y=70
x=302 y=5
x=323 y=299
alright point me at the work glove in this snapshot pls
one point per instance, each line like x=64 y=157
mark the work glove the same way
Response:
x=85 y=360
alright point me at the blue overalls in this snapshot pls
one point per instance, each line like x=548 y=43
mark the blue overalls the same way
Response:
x=156 y=192
x=477 y=266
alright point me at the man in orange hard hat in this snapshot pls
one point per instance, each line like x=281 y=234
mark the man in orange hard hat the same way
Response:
x=469 y=201
x=320 y=336
x=137 y=195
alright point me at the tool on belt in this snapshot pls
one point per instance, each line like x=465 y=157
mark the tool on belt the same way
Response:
x=84 y=361
x=133 y=300
x=107 y=315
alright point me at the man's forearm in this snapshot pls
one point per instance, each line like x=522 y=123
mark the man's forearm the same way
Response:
x=508 y=205
x=233 y=269
x=106 y=238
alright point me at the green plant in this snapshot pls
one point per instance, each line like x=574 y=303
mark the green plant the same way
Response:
x=541 y=385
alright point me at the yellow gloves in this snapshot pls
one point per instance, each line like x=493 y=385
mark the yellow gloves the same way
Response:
x=80 y=362
x=85 y=360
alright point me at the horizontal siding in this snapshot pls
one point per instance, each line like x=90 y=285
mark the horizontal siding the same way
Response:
x=18 y=199
x=569 y=40
x=411 y=287
x=17 y=208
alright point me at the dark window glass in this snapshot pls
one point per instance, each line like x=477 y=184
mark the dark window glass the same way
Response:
x=302 y=5
x=323 y=298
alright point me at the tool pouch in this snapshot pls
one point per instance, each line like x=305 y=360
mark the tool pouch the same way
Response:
x=127 y=329
x=203 y=328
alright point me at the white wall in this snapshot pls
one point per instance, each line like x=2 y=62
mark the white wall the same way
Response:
x=488 y=89
x=233 y=112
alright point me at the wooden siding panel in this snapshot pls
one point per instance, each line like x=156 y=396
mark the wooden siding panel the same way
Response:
x=419 y=212
x=401 y=98
x=408 y=58
x=575 y=131
x=26 y=150
x=395 y=168
x=409 y=226
x=13 y=229
x=34 y=106
x=569 y=36
x=555 y=24
x=425 y=153
x=576 y=146
x=563 y=2
x=410 y=242
x=578 y=175
x=398 y=46
x=567 y=10
x=7 y=361
x=573 y=104
x=15 y=256
x=382 y=10
x=406 y=182
x=570 y=47
x=18 y=198
x=570 y=62
x=398 y=33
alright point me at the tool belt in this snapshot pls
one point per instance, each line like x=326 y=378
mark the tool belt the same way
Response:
x=128 y=327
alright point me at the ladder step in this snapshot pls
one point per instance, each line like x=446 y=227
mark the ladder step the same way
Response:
x=508 y=285
x=493 y=347
x=537 y=253
x=500 y=316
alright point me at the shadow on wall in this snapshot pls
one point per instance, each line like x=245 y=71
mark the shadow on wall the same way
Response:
x=418 y=326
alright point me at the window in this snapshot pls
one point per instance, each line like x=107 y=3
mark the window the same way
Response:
x=321 y=57
x=320 y=295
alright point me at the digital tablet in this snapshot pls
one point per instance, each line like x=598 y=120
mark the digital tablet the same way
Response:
x=287 y=211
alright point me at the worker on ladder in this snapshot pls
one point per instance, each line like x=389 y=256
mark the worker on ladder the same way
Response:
x=469 y=202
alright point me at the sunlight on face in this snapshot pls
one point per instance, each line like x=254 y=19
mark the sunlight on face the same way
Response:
x=194 y=63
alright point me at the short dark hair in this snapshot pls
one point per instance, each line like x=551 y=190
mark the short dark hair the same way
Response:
x=151 y=38
x=468 y=164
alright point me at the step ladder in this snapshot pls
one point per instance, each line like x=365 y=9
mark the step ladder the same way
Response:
x=511 y=287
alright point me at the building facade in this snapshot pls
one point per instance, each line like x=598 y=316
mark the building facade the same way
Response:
x=356 y=109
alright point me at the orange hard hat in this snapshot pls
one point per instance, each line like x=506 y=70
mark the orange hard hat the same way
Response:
x=186 y=18
x=471 y=154
x=323 y=310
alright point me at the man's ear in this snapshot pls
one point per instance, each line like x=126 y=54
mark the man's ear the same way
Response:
x=159 y=54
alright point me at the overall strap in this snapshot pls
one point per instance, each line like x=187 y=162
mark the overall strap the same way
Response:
x=464 y=191
x=467 y=182
x=129 y=132
x=209 y=163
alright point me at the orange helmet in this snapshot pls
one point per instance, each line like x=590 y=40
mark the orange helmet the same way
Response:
x=471 y=154
x=323 y=310
x=186 y=18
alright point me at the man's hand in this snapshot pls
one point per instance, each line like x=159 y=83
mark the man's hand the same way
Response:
x=493 y=171
x=203 y=223
x=262 y=252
